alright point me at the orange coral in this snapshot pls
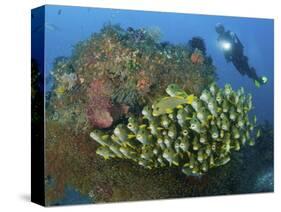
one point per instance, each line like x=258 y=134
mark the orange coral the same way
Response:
x=197 y=58
x=144 y=83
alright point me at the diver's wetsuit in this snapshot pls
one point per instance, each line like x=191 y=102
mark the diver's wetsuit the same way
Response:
x=236 y=55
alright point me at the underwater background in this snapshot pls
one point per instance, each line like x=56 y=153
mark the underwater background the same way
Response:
x=81 y=40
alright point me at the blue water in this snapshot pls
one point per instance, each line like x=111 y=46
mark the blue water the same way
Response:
x=65 y=26
x=72 y=196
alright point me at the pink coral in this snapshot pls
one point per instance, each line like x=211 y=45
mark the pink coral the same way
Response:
x=197 y=58
x=101 y=87
x=98 y=112
x=101 y=112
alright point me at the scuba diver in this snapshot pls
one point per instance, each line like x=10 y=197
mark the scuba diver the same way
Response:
x=234 y=53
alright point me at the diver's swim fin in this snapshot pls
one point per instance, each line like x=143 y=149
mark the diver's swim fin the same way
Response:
x=263 y=80
x=257 y=84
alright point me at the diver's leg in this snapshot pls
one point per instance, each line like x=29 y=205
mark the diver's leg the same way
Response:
x=253 y=74
x=240 y=66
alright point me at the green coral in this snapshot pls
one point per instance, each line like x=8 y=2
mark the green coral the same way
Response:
x=197 y=135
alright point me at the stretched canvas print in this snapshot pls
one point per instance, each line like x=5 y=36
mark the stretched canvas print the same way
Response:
x=136 y=105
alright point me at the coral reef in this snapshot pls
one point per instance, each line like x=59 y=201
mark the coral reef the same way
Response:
x=73 y=162
x=133 y=63
x=109 y=77
x=198 y=51
x=196 y=134
x=197 y=43
x=197 y=57
x=138 y=65
x=126 y=70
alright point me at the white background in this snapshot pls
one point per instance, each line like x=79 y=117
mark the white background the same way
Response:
x=15 y=105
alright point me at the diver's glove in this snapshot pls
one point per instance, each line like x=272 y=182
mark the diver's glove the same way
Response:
x=262 y=80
